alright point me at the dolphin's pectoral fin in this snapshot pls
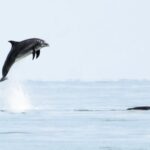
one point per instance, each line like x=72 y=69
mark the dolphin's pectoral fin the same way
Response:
x=34 y=52
x=37 y=54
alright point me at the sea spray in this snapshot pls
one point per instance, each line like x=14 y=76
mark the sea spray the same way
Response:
x=17 y=99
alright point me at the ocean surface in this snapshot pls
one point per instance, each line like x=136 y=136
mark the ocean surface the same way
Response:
x=74 y=115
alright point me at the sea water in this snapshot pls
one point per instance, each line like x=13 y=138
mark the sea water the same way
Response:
x=74 y=115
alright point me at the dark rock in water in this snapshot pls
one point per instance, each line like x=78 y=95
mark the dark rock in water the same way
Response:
x=140 y=108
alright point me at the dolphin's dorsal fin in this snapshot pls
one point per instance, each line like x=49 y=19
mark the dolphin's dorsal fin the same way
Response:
x=13 y=43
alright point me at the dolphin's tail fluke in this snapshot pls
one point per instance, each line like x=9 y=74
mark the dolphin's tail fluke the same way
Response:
x=3 y=79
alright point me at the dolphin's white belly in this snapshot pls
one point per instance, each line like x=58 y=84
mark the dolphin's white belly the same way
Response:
x=21 y=56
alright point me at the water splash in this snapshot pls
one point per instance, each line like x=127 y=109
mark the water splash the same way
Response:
x=17 y=99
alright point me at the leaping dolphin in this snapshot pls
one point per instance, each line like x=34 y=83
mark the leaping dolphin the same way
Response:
x=20 y=50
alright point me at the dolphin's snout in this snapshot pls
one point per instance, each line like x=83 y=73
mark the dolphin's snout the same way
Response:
x=46 y=44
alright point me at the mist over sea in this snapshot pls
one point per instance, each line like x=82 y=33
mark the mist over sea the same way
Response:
x=74 y=115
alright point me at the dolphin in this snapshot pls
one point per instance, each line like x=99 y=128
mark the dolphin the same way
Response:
x=140 y=108
x=20 y=50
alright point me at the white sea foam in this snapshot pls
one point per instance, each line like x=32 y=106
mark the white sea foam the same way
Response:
x=17 y=99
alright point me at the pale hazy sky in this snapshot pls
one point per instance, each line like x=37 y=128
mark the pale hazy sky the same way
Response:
x=89 y=39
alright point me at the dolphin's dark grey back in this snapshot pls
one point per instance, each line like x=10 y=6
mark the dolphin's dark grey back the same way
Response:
x=10 y=60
